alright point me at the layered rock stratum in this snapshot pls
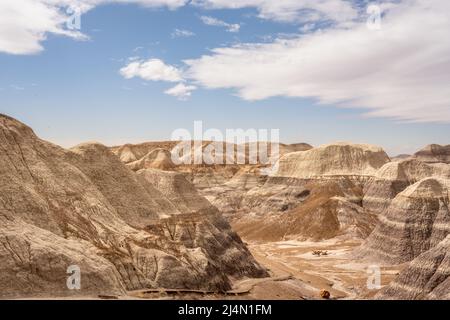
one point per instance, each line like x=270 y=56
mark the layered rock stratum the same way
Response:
x=434 y=153
x=84 y=207
x=340 y=159
x=394 y=177
x=131 y=218
x=417 y=219
x=426 y=277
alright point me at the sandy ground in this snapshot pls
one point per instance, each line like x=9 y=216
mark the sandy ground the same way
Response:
x=336 y=272
x=296 y=274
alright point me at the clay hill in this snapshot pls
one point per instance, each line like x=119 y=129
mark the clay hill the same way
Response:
x=434 y=153
x=340 y=159
x=317 y=192
x=416 y=220
x=397 y=207
x=129 y=153
x=414 y=230
x=131 y=218
x=395 y=177
x=125 y=231
x=426 y=277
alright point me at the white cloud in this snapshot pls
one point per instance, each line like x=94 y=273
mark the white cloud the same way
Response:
x=181 y=91
x=151 y=70
x=211 y=21
x=25 y=24
x=289 y=10
x=182 y=33
x=401 y=71
x=157 y=70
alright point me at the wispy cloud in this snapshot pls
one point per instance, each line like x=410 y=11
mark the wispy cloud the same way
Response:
x=289 y=10
x=401 y=71
x=181 y=91
x=182 y=33
x=211 y=21
x=26 y=24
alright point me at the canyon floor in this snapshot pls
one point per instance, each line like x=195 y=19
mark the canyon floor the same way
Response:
x=296 y=274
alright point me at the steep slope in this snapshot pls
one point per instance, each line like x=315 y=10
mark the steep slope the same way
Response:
x=201 y=224
x=136 y=203
x=178 y=190
x=394 y=177
x=84 y=207
x=416 y=220
x=158 y=159
x=34 y=263
x=316 y=194
x=434 y=153
x=282 y=205
x=318 y=211
x=333 y=160
x=426 y=277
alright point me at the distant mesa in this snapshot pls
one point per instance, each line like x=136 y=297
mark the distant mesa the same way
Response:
x=434 y=153
x=333 y=160
x=294 y=147
x=139 y=155
x=401 y=157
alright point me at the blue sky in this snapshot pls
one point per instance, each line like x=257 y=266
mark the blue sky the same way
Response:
x=73 y=91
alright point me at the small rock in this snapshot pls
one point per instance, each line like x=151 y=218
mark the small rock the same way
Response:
x=324 y=294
